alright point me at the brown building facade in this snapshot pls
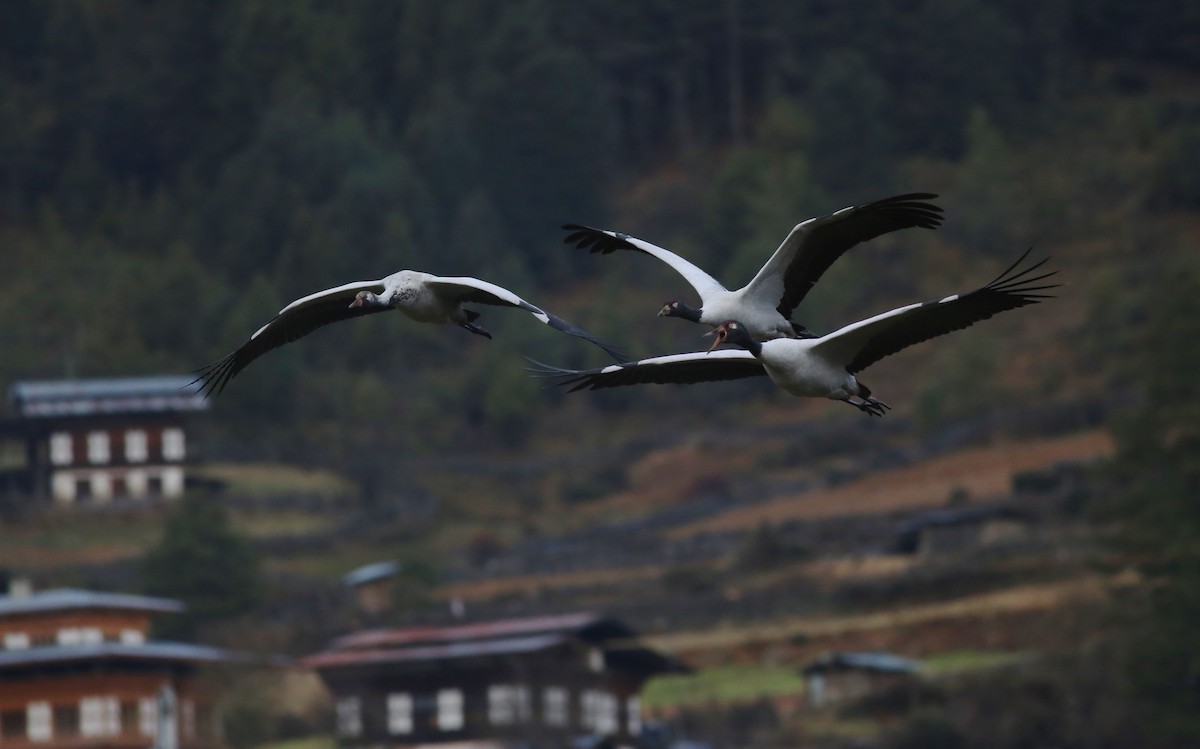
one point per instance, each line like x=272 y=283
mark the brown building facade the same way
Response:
x=77 y=670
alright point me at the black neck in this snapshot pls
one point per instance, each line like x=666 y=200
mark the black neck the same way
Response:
x=687 y=313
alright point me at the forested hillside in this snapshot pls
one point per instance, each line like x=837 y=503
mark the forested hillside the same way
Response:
x=173 y=174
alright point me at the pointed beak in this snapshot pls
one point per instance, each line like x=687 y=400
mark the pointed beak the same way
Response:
x=663 y=312
x=720 y=333
x=356 y=303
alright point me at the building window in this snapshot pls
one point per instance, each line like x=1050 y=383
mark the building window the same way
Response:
x=102 y=488
x=399 y=713
x=62 y=453
x=173 y=447
x=136 y=446
x=633 y=715
x=508 y=704
x=136 y=483
x=596 y=660
x=598 y=711
x=172 y=482
x=555 y=704
x=450 y=709
x=63 y=487
x=16 y=640
x=80 y=636
x=38 y=725
x=349 y=716
x=97 y=448
x=133 y=637
x=148 y=716
x=99 y=716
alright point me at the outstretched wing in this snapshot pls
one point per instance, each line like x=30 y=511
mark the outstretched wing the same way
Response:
x=467 y=289
x=732 y=364
x=605 y=242
x=293 y=322
x=813 y=245
x=863 y=343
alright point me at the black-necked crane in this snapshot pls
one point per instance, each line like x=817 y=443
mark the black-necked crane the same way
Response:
x=420 y=296
x=765 y=305
x=826 y=366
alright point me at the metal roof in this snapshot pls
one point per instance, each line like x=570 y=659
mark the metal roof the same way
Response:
x=60 y=599
x=879 y=662
x=334 y=658
x=573 y=623
x=371 y=572
x=152 y=651
x=503 y=637
x=107 y=396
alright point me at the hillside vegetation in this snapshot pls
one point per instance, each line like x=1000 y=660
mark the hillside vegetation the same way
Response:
x=172 y=174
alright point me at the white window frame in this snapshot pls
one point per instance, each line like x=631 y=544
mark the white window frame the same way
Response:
x=99 y=716
x=633 y=715
x=16 y=640
x=137 y=483
x=349 y=717
x=556 y=706
x=148 y=716
x=62 y=449
x=137 y=446
x=102 y=488
x=598 y=711
x=450 y=709
x=99 y=451
x=68 y=636
x=39 y=721
x=133 y=637
x=399 y=713
x=172 y=482
x=607 y=720
x=174 y=444
x=502 y=706
x=62 y=486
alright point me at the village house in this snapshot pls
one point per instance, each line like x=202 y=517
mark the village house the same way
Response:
x=96 y=441
x=954 y=530
x=533 y=682
x=372 y=585
x=839 y=678
x=78 y=669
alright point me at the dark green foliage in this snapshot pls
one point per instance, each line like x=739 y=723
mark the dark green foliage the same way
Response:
x=928 y=730
x=1156 y=505
x=765 y=548
x=204 y=563
x=851 y=147
x=1177 y=181
x=170 y=175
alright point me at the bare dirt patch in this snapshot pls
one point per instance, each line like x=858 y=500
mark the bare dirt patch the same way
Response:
x=984 y=472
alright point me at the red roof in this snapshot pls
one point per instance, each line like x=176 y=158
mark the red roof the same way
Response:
x=333 y=658
x=477 y=631
x=501 y=637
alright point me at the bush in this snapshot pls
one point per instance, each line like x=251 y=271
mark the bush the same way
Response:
x=928 y=730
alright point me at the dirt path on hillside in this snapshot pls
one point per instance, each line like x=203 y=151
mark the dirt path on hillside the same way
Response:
x=984 y=472
x=1021 y=599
